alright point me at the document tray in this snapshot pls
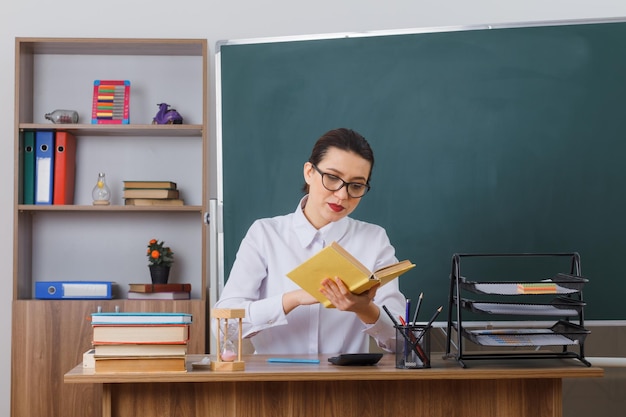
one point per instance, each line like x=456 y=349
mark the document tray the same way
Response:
x=565 y=284
x=561 y=306
x=560 y=334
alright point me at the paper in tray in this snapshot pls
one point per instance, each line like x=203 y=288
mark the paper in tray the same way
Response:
x=560 y=334
x=562 y=307
x=565 y=284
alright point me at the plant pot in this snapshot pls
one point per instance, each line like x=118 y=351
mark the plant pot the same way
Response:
x=159 y=273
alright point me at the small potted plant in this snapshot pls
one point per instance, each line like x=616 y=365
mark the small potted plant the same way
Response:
x=160 y=260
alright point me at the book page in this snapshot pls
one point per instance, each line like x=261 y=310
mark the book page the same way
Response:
x=388 y=273
x=350 y=258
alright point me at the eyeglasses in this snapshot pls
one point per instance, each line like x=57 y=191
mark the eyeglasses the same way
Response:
x=334 y=183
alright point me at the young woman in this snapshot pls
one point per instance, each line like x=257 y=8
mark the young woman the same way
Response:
x=280 y=316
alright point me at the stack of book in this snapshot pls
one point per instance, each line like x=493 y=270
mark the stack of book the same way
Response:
x=140 y=342
x=170 y=291
x=151 y=193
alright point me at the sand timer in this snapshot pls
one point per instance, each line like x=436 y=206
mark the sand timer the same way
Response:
x=229 y=335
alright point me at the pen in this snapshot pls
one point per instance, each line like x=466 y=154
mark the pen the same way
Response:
x=407 y=313
x=292 y=360
x=417 y=308
x=406 y=342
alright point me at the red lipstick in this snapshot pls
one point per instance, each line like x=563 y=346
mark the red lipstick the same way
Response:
x=335 y=207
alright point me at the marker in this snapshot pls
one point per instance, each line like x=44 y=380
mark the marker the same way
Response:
x=292 y=360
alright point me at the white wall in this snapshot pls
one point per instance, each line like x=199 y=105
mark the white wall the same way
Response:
x=230 y=19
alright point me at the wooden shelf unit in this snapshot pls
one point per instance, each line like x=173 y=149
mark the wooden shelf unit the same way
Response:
x=54 y=242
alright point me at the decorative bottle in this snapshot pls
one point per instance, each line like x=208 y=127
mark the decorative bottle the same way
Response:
x=101 y=193
x=62 y=116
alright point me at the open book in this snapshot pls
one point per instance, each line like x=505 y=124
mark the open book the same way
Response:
x=335 y=261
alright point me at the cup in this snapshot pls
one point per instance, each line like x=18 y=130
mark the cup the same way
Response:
x=413 y=346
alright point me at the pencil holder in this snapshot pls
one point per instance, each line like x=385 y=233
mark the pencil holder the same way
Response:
x=413 y=346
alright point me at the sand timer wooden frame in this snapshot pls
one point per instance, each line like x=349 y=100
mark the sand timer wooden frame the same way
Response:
x=222 y=315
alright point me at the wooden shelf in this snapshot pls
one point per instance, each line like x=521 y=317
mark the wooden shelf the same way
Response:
x=119 y=130
x=112 y=208
x=113 y=46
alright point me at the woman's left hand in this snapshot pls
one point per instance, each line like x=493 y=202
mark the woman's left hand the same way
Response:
x=341 y=297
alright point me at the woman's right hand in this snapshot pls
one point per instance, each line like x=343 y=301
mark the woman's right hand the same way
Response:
x=297 y=298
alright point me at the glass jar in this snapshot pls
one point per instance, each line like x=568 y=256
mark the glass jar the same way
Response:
x=62 y=116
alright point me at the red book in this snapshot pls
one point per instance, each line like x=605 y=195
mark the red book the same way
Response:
x=170 y=287
x=64 y=168
x=163 y=295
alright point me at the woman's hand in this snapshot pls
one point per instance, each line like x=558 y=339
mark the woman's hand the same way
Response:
x=293 y=299
x=360 y=304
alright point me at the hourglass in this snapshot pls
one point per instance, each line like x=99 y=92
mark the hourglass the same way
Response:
x=228 y=357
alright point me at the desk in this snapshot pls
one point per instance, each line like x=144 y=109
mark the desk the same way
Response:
x=521 y=388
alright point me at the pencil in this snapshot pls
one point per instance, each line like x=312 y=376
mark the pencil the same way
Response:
x=432 y=319
x=430 y=322
x=417 y=308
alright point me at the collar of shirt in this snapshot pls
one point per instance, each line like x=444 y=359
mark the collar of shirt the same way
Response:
x=307 y=234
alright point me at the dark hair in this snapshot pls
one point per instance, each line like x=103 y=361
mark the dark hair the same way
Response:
x=346 y=140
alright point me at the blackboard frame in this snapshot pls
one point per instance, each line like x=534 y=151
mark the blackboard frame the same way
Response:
x=552 y=188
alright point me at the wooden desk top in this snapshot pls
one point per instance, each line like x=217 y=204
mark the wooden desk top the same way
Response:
x=258 y=369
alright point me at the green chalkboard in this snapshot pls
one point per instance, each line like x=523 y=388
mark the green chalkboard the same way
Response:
x=508 y=139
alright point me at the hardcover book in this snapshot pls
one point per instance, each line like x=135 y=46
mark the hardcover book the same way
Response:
x=134 y=350
x=150 y=193
x=164 y=295
x=150 y=184
x=141 y=318
x=160 y=287
x=154 y=202
x=147 y=333
x=141 y=364
x=335 y=261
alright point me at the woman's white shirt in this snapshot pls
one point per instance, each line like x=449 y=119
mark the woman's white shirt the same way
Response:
x=274 y=246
